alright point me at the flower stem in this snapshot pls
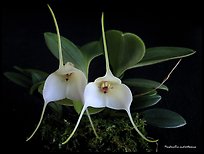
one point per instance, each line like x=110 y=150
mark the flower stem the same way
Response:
x=58 y=37
x=165 y=79
x=41 y=117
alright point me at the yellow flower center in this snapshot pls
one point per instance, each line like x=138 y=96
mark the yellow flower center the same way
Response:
x=105 y=86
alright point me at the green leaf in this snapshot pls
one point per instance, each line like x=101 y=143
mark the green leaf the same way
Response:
x=70 y=51
x=145 y=92
x=66 y=102
x=160 y=54
x=40 y=88
x=90 y=51
x=78 y=107
x=37 y=75
x=95 y=110
x=56 y=108
x=144 y=84
x=35 y=86
x=19 y=79
x=145 y=101
x=125 y=50
x=22 y=71
x=163 y=118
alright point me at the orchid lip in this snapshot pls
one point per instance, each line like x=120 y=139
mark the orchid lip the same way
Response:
x=105 y=86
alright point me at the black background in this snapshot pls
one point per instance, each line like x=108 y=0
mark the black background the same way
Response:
x=165 y=24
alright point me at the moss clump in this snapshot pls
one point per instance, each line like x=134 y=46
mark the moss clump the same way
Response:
x=114 y=128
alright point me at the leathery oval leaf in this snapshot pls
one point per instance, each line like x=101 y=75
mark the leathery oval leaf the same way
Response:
x=145 y=101
x=71 y=53
x=163 y=118
x=144 y=83
x=125 y=50
x=160 y=54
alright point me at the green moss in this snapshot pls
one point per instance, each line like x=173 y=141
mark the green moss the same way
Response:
x=115 y=131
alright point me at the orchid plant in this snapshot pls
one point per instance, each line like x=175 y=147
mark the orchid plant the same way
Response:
x=68 y=85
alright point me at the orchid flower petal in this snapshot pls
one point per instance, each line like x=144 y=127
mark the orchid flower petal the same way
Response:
x=119 y=98
x=54 y=88
x=76 y=85
x=66 y=82
x=93 y=96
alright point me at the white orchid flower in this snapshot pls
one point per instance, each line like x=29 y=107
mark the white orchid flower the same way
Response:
x=66 y=82
x=108 y=91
